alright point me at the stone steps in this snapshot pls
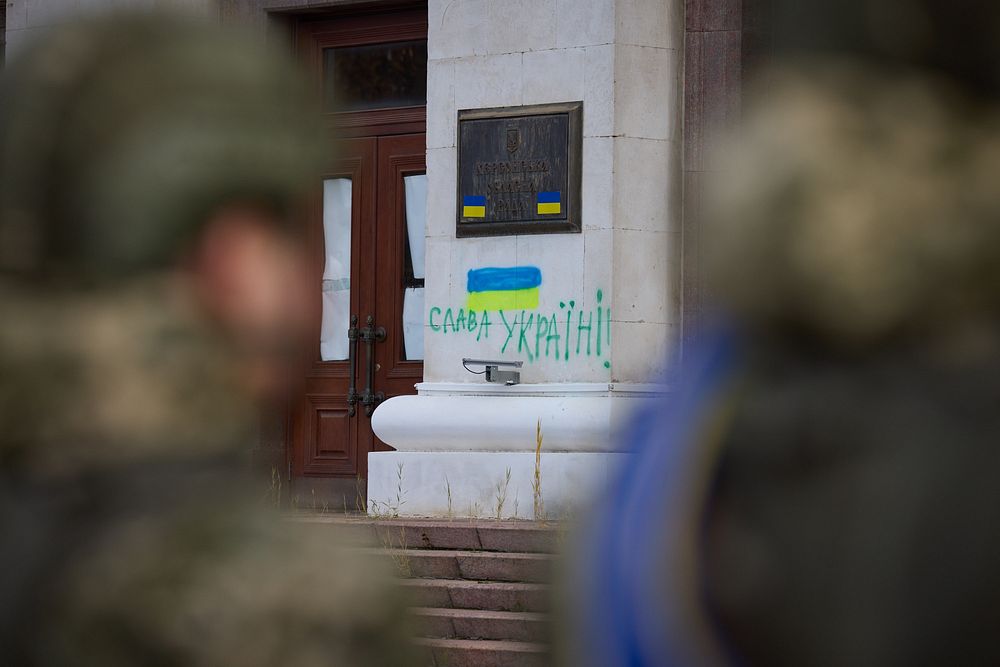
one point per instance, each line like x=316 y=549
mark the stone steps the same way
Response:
x=480 y=653
x=472 y=565
x=522 y=626
x=485 y=595
x=510 y=536
x=479 y=589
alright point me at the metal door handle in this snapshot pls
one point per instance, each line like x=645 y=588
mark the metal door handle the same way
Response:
x=371 y=334
x=352 y=353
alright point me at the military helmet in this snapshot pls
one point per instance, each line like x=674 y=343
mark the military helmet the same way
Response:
x=118 y=134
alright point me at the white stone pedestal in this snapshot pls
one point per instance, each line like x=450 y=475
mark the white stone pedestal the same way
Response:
x=470 y=450
x=475 y=484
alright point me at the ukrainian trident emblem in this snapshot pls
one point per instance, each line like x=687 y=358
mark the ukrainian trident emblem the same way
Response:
x=513 y=139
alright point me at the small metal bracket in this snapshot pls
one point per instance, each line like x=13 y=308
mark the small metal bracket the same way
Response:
x=493 y=372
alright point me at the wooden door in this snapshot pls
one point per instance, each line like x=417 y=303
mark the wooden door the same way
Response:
x=400 y=280
x=328 y=441
x=366 y=229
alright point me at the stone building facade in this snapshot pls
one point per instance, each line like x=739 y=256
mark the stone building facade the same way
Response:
x=615 y=300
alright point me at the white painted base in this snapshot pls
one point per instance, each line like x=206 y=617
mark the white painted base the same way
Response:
x=494 y=418
x=417 y=483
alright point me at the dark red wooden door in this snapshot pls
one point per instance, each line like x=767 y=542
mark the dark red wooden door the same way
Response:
x=399 y=283
x=366 y=239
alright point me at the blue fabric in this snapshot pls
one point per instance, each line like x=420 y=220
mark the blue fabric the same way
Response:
x=638 y=610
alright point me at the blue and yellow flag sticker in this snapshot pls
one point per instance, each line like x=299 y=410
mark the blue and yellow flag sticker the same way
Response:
x=510 y=288
x=549 y=202
x=474 y=206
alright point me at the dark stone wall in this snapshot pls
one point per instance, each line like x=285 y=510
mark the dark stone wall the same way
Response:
x=722 y=39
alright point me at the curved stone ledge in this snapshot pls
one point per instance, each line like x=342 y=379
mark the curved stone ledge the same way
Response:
x=504 y=423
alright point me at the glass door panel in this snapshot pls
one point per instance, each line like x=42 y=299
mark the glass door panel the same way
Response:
x=415 y=193
x=337 y=193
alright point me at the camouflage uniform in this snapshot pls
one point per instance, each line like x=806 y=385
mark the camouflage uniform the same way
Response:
x=820 y=487
x=131 y=534
x=854 y=515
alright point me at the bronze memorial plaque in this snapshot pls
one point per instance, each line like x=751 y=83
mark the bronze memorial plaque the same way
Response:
x=519 y=170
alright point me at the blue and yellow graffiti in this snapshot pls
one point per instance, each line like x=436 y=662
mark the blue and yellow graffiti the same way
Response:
x=507 y=298
x=510 y=288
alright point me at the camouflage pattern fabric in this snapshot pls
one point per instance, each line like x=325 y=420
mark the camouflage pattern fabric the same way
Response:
x=853 y=519
x=118 y=136
x=132 y=534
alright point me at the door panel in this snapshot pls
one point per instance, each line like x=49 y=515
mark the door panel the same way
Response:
x=336 y=285
x=415 y=210
x=398 y=157
x=369 y=66
x=362 y=205
x=326 y=439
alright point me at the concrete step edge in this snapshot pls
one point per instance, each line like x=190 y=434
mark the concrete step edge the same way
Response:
x=422 y=522
x=483 y=645
x=471 y=583
x=460 y=553
x=451 y=623
x=495 y=537
x=469 y=594
x=449 y=612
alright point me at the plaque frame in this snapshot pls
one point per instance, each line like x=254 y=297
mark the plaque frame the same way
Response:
x=572 y=221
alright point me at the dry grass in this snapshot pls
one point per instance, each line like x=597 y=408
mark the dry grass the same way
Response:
x=501 y=495
x=536 y=482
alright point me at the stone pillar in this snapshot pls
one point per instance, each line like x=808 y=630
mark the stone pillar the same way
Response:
x=608 y=308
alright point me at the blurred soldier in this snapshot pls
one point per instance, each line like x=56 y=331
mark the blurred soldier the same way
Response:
x=821 y=490
x=151 y=287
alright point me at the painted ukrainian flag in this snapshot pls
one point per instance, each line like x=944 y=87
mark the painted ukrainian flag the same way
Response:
x=549 y=202
x=512 y=288
x=474 y=206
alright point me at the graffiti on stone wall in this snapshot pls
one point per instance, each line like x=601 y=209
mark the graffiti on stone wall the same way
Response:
x=502 y=305
x=510 y=288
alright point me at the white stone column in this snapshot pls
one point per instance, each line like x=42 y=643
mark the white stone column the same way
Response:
x=608 y=307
